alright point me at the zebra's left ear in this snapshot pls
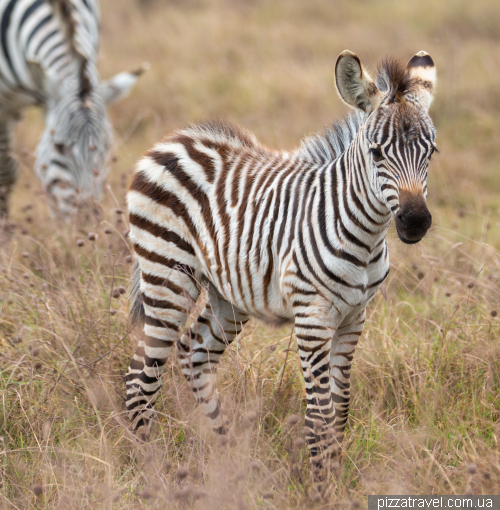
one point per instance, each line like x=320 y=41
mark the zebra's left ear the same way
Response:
x=354 y=84
x=423 y=72
x=119 y=86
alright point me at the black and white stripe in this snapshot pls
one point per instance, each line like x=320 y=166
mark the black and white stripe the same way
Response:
x=283 y=237
x=48 y=52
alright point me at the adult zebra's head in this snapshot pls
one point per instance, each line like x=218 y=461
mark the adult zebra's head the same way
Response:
x=398 y=133
x=72 y=155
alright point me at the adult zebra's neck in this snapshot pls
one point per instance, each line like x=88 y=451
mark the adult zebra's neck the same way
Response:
x=360 y=218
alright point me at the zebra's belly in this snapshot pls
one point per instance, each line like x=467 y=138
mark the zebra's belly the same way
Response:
x=261 y=299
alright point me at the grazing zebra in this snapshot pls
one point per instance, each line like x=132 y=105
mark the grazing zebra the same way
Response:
x=48 y=57
x=280 y=236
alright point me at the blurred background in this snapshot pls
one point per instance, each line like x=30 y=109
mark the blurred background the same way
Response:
x=425 y=416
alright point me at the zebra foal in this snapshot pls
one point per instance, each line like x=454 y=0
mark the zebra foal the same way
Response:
x=48 y=57
x=281 y=236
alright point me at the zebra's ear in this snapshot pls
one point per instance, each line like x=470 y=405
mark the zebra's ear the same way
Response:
x=423 y=72
x=354 y=85
x=120 y=85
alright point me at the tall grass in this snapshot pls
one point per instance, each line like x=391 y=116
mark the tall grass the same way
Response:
x=425 y=414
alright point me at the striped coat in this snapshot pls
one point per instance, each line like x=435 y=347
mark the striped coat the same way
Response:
x=284 y=237
x=48 y=58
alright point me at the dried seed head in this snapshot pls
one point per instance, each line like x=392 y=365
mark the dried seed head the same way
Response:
x=35 y=351
x=182 y=473
x=17 y=339
x=112 y=312
x=318 y=425
x=447 y=294
x=183 y=494
x=115 y=293
x=470 y=285
x=80 y=243
x=222 y=441
x=167 y=466
x=92 y=236
x=420 y=275
x=25 y=255
x=37 y=490
x=254 y=465
x=199 y=494
x=299 y=442
x=116 y=497
x=108 y=231
x=119 y=211
x=239 y=475
x=356 y=504
x=145 y=494
x=26 y=276
x=493 y=313
x=316 y=496
x=487 y=476
x=293 y=419
x=472 y=469
x=129 y=259
x=88 y=490
x=122 y=289
x=267 y=495
x=38 y=366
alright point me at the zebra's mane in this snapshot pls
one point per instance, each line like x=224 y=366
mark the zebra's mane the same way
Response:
x=333 y=142
x=81 y=25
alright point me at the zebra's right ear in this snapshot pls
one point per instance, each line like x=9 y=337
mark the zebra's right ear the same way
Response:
x=354 y=84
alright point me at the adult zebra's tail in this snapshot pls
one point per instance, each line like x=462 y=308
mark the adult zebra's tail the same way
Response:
x=136 y=306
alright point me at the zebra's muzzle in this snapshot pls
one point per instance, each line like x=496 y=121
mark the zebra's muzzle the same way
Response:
x=413 y=219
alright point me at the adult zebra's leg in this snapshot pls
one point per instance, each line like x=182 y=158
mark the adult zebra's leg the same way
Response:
x=201 y=348
x=168 y=295
x=342 y=353
x=314 y=339
x=8 y=168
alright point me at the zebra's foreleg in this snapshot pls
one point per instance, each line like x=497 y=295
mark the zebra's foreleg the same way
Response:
x=168 y=296
x=314 y=341
x=342 y=353
x=201 y=348
x=8 y=169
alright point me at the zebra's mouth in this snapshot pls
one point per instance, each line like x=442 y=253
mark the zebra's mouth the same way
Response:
x=407 y=241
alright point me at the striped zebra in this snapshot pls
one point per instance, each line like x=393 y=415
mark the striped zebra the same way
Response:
x=281 y=236
x=48 y=58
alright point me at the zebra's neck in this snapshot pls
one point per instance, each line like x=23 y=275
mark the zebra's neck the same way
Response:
x=360 y=218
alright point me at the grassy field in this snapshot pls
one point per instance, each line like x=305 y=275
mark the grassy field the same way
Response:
x=425 y=416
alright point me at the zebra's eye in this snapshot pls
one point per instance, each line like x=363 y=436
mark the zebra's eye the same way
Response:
x=433 y=150
x=60 y=148
x=377 y=155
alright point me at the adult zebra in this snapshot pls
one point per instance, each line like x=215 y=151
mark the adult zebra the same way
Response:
x=284 y=237
x=48 y=58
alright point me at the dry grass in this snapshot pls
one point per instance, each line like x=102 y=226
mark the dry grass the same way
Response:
x=426 y=377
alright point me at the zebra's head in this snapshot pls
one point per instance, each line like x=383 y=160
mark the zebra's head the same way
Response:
x=398 y=135
x=72 y=155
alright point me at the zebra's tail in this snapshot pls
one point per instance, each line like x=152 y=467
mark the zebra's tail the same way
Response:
x=136 y=307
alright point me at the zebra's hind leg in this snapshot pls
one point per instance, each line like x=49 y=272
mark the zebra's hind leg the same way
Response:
x=168 y=295
x=8 y=168
x=200 y=350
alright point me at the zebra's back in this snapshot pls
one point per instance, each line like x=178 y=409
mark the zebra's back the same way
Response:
x=43 y=35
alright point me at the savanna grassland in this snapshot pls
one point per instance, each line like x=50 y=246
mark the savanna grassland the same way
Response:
x=425 y=414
